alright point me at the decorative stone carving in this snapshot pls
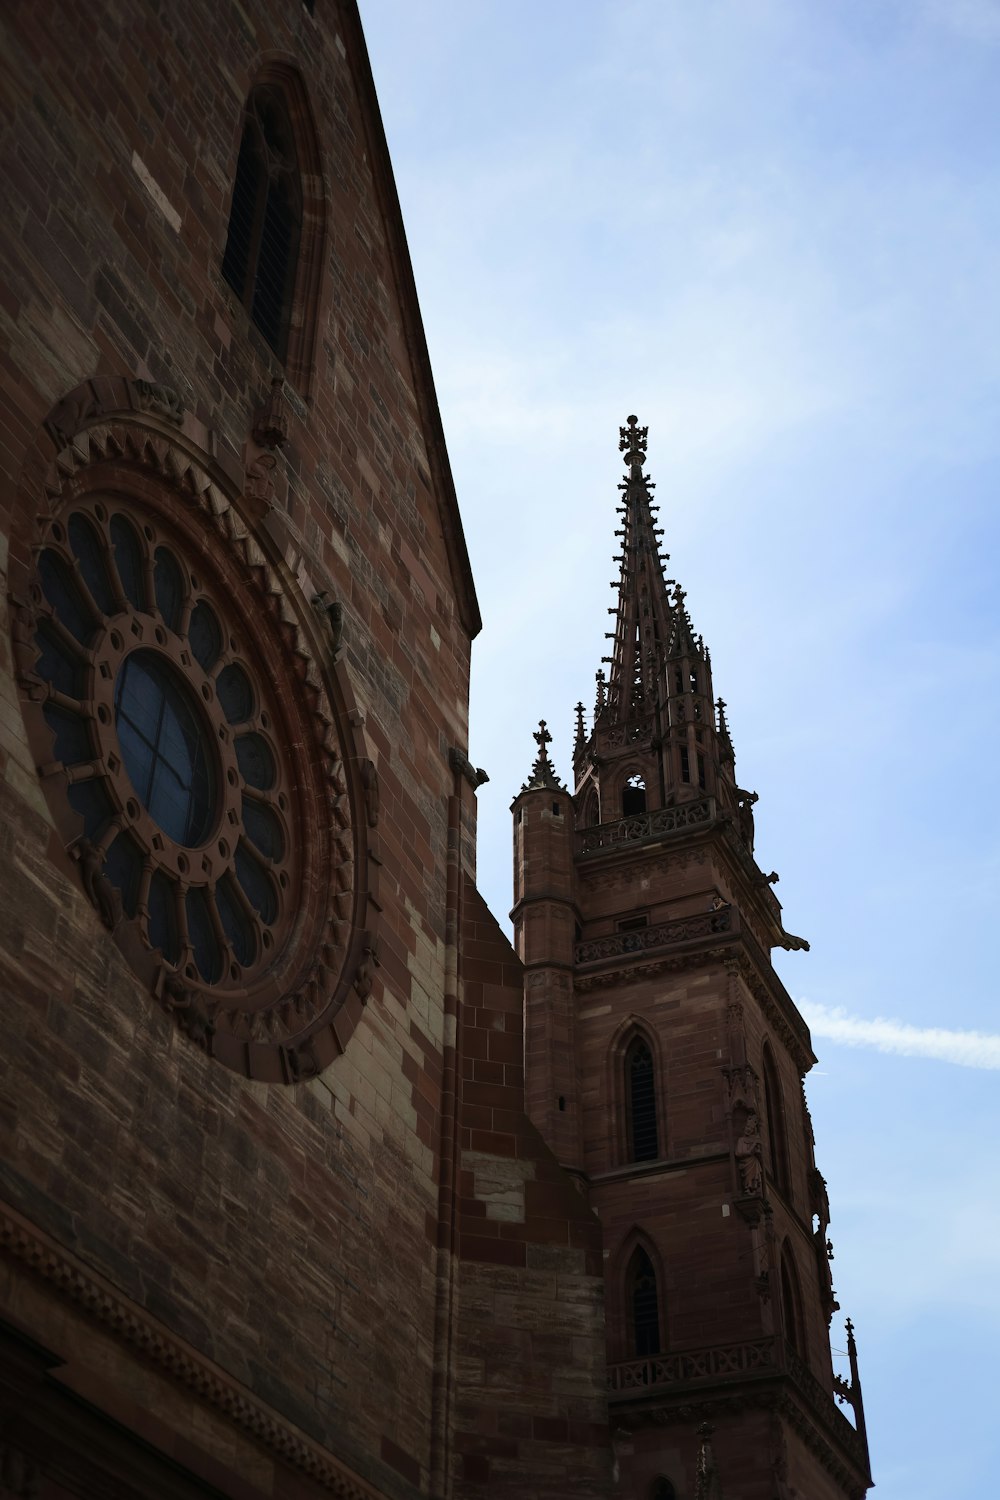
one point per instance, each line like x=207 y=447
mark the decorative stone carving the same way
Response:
x=749 y=1154
x=647 y=826
x=662 y=935
x=474 y=775
x=284 y=777
x=270 y=422
x=159 y=400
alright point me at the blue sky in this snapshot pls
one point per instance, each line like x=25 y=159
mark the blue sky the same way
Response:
x=771 y=228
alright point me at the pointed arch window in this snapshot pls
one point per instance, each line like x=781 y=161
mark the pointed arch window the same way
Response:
x=273 y=253
x=634 y=797
x=662 y=1489
x=777 y=1141
x=640 y=1102
x=791 y=1302
x=265 y=219
x=643 y=1304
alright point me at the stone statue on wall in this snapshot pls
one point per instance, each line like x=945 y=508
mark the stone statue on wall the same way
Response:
x=748 y=1155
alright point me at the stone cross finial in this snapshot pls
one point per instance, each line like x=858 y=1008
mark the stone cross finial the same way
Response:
x=542 y=772
x=633 y=442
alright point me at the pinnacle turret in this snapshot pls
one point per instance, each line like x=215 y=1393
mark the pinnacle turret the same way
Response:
x=543 y=775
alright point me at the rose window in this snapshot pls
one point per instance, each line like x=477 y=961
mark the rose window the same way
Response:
x=197 y=741
x=160 y=722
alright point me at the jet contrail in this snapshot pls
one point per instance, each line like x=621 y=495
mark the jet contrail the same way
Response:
x=968 y=1049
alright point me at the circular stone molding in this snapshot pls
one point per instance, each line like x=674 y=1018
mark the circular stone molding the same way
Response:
x=196 y=741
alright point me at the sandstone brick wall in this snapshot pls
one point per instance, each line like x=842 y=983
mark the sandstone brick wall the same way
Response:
x=285 y=1233
x=248 y=1280
x=530 y=1416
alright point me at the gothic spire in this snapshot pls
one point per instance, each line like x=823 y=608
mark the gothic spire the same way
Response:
x=643 y=623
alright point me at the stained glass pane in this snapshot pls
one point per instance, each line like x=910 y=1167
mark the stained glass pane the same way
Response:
x=91 y=800
x=204 y=636
x=163 y=933
x=255 y=761
x=71 y=735
x=128 y=561
x=258 y=887
x=168 y=583
x=236 y=924
x=166 y=747
x=202 y=936
x=263 y=829
x=58 y=662
x=90 y=554
x=235 y=694
x=123 y=867
x=64 y=597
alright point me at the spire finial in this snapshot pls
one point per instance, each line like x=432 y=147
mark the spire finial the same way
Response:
x=633 y=442
x=581 y=733
x=599 y=704
x=542 y=772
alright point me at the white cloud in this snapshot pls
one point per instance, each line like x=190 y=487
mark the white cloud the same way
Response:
x=968 y=1049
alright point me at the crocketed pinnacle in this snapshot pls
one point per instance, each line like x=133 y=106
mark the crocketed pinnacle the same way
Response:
x=683 y=640
x=543 y=776
x=706 y=1474
x=643 y=624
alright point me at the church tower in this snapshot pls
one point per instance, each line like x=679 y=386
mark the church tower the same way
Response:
x=665 y=1064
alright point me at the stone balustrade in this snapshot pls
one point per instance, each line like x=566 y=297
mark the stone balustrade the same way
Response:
x=701 y=925
x=643 y=827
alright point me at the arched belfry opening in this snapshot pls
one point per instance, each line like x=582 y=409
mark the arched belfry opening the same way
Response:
x=634 y=796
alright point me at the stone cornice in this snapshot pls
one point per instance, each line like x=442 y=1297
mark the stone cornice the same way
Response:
x=102 y=1302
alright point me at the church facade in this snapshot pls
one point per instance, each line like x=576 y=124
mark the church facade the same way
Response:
x=309 y=1184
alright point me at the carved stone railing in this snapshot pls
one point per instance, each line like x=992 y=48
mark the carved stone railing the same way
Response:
x=650 y=825
x=756 y=1359
x=724 y=1360
x=702 y=925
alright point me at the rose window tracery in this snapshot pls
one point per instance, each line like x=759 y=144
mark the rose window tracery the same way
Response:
x=163 y=729
x=200 y=759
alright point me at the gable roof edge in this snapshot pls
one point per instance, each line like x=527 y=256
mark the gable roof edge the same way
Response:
x=413 y=326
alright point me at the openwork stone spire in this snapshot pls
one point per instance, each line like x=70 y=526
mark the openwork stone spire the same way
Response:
x=543 y=776
x=643 y=624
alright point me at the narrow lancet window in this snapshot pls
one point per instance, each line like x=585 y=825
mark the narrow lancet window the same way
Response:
x=791 y=1302
x=640 y=1086
x=775 y=1114
x=644 y=1306
x=265 y=218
